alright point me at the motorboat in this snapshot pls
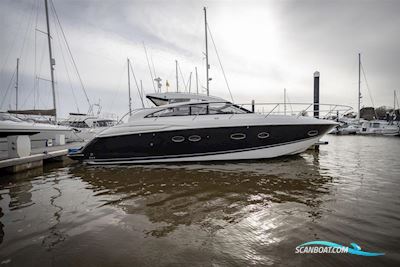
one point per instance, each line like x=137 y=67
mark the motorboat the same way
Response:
x=380 y=127
x=41 y=134
x=86 y=126
x=346 y=129
x=191 y=127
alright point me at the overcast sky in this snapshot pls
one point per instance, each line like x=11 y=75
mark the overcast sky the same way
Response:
x=264 y=46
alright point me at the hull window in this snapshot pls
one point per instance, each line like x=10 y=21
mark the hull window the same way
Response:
x=238 y=136
x=178 y=139
x=194 y=138
x=263 y=135
x=312 y=133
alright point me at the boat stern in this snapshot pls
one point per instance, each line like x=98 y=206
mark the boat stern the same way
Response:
x=76 y=154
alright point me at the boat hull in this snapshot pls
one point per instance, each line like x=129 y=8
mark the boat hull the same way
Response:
x=259 y=153
x=202 y=144
x=39 y=134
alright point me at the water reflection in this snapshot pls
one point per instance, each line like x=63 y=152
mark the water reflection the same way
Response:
x=236 y=213
x=55 y=235
x=189 y=194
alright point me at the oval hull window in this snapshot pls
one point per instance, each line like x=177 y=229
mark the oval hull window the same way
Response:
x=263 y=135
x=312 y=133
x=194 y=138
x=178 y=139
x=238 y=136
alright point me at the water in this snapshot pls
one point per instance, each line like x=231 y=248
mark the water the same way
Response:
x=226 y=214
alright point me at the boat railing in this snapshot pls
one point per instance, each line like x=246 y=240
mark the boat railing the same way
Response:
x=323 y=111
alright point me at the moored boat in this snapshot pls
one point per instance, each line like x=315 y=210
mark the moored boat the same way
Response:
x=41 y=134
x=200 y=129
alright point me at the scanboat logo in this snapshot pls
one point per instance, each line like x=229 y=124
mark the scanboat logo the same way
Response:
x=321 y=247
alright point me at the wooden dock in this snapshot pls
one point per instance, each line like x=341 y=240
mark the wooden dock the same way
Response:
x=38 y=157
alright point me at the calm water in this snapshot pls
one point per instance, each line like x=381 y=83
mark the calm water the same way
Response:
x=228 y=214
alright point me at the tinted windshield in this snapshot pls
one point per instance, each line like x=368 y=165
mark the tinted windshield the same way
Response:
x=200 y=109
x=103 y=123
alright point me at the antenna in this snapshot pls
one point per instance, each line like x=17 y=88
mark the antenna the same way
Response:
x=141 y=90
x=159 y=85
x=129 y=88
x=176 y=73
x=197 y=82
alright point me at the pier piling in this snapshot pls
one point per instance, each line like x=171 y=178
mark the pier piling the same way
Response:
x=316 y=94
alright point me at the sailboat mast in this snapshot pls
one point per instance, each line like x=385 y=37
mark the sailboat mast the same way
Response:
x=141 y=92
x=197 y=82
x=176 y=73
x=190 y=82
x=16 y=85
x=129 y=88
x=52 y=63
x=207 y=65
x=359 y=87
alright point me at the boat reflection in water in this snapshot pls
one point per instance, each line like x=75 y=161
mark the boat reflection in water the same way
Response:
x=229 y=210
x=225 y=213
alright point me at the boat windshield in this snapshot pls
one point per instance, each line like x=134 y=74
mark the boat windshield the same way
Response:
x=103 y=123
x=75 y=124
x=200 y=109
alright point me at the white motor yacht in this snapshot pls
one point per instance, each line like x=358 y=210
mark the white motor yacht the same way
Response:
x=190 y=127
x=86 y=126
x=380 y=127
x=40 y=133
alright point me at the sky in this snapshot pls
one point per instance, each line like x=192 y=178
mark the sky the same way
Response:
x=264 y=47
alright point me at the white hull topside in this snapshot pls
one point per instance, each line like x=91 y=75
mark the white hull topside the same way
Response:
x=262 y=153
x=38 y=133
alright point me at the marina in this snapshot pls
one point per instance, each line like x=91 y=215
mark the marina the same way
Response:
x=137 y=133
x=238 y=213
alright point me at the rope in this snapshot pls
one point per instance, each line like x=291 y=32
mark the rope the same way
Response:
x=70 y=53
x=369 y=92
x=183 y=78
x=40 y=68
x=137 y=85
x=220 y=64
x=66 y=68
x=118 y=88
x=152 y=63
x=12 y=46
x=27 y=28
x=8 y=88
x=148 y=64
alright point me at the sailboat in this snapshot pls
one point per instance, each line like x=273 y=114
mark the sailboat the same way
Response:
x=376 y=126
x=349 y=126
x=41 y=134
